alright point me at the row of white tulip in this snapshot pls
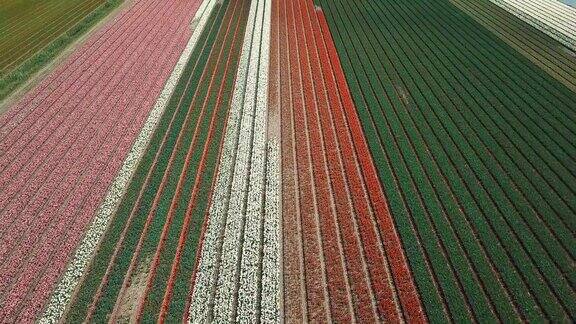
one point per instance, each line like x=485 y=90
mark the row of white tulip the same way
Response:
x=241 y=223
x=271 y=263
x=209 y=261
x=236 y=220
x=250 y=275
x=76 y=268
x=271 y=301
x=550 y=16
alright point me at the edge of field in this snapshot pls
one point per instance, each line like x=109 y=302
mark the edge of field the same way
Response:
x=15 y=84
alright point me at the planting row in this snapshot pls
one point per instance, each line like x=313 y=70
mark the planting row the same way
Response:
x=63 y=144
x=550 y=16
x=335 y=217
x=142 y=269
x=474 y=147
x=238 y=275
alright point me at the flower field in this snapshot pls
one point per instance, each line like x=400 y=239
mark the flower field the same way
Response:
x=61 y=159
x=161 y=215
x=537 y=47
x=292 y=161
x=474 y=147
x=35 y=33
x=334 y=241
x=238 y=274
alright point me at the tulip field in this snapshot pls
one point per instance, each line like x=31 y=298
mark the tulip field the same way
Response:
x=475 y=150
x=287 y=161
x=537 y=47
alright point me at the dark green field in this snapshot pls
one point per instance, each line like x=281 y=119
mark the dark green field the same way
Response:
x=475 y=145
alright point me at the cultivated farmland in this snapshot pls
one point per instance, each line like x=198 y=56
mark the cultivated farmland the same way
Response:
x=161 y=216
x=28 y=26
x=238 y=275
x=32 y=33
x=335 y=215
x=543 y=51
x=552 y=17
x=474 y=146
x=291 y=161
x=61 y=159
